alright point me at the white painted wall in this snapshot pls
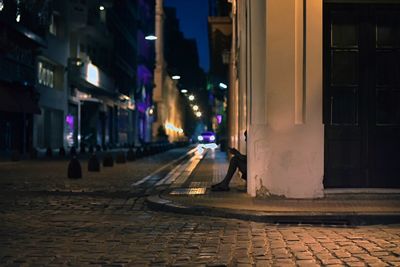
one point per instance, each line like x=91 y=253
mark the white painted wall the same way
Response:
x=284 y=80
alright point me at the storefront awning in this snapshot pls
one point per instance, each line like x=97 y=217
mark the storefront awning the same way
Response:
x=18 y=98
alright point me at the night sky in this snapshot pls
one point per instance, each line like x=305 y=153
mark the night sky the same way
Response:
x=192 y=15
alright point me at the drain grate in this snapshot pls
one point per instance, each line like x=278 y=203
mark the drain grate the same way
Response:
x=189 y=191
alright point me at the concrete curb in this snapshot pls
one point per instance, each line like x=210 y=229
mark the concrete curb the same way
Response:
x=158 y=203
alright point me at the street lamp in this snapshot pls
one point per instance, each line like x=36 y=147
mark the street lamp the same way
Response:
x=184 y=91
x=195 y=107
x=198 y=114
x=223 y=86
x=151 y=37
x=176 y=77
x=191 y=97
x=101 y=8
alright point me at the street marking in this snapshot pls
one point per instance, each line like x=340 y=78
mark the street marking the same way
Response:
x=162 y=168
x=185 y=174
x=189 y=191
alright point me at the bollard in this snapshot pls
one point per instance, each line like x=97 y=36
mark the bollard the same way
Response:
x=93 y=163
x=74 y=169
x=130 y=156
x=72 y=151
x=49 y=152
x=108 y=160
x=61 y=152
x=120 y=158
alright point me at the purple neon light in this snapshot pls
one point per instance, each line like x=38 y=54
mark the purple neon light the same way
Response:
x=69 y=119
x=144 y=75
x=219 y=118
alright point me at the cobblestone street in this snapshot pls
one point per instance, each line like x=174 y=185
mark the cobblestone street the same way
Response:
x=101 y=231
x=49 y=220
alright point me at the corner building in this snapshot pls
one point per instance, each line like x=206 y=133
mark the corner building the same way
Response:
x=319 y=86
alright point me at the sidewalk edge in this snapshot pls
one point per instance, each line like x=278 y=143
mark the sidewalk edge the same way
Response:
x=157 y=203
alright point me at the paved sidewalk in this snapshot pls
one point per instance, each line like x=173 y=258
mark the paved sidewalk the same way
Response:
x=188 y=191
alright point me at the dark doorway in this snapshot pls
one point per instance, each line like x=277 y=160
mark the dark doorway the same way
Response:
x=362 y=95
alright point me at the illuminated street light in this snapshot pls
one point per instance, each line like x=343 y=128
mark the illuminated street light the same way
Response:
x=195 y=107
x=191 y=97
x=176 y=77
x=184 y=91
x=223 y=86
x=151 y=37
x=101 y=8
x=198 y=114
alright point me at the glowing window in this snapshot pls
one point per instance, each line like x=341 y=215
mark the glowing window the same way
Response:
x=46 y=74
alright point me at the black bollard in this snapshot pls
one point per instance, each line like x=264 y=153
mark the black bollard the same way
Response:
x=93 y=163
x=108 y=160
x=49 y=152
x=120 y=158
x=130 y=156
x=61 y=152
x=72 y=151
x=74 y=169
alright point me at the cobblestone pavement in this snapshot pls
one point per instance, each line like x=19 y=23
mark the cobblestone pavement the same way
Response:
x=110 y=228
x=51 y=175
x=83 y=230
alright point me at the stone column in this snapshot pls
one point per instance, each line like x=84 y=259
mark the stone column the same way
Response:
x=285 y=146
x=256 y=55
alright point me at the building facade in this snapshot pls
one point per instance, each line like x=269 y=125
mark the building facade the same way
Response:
x=51 y=83
x=220 y=42
x=22 y=35
x=75 y=73
x=318 y=81
x=169 y=116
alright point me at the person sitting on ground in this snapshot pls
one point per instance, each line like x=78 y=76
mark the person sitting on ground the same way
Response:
x=238 y=161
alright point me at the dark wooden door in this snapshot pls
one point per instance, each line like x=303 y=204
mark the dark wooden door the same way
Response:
x=361 y=95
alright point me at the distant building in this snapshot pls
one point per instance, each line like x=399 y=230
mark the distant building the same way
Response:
x=144 y=111
x=51 y=82
x=74 y=73
x=168 y=101
x=220 y=39
x=23 y=27
x=101 y=79
x=182 y=59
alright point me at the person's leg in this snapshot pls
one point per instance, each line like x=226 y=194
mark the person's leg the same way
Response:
x=242 y=165
x=224 y=184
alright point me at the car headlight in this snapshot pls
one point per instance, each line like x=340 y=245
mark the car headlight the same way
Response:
x=212 y=138
x=200 y=138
